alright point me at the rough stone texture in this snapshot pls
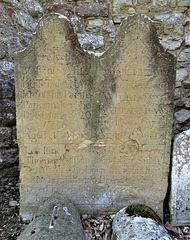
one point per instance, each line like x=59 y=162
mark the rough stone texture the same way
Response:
x=91 y=41
x=92 y=9
x=182 y=115
x=125 y=227
x=63 y=8
x=185 y=3
x=108 y=26
x=77 y=24
x=86 y=128
x=119 y=4
x=7 y=113
x=5 y=137
x=9 y=163
x=93 y=29
x=7 y=89
x=171 y=42
x=57 y=219
x=180 y=195
x=187 y=39
x=181 y=75
x=170 y=18
x=183 y=59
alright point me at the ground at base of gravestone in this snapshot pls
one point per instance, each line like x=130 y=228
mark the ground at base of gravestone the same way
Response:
x=95 y=228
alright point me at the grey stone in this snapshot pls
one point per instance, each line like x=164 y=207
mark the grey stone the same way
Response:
x=183 y=3
x=182 y=115
x=7 y=89
x=180 y=195
x=119 y=4
x=186 y=21
x=91 y=41
x=13 y=203
x=184 y=58
x=26 y=21
x=5 y=136
x=33 y=7
x=181 y=75
x=57 y=219
x=170 y=18
x=179 y=29
x=93 y=29
x=161 y=3
x=187 y=39
x=9 y=163
x=96 y=22
x=126 y=227
x=7 y=113
x=3 y=50
x=14 y=137
x=171 y=42
x=7 y=68
x=108 y=26
x=187 y=104
x=77 y=24
x=177 y=93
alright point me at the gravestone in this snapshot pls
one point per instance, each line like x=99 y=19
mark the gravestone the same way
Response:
x=180 y=181
x=95 y=129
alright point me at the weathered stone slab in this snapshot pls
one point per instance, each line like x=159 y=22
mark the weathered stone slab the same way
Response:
x=57 y=219
x=180 y=188
x=94 y=129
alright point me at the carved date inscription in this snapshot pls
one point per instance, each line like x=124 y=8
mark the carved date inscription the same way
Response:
x=94 y=129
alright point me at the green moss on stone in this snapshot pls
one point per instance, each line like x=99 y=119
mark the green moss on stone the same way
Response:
x=137 y=209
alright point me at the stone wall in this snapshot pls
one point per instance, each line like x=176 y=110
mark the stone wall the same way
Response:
x=96 y=23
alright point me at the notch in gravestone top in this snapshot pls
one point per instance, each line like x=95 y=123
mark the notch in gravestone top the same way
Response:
x=94 y=129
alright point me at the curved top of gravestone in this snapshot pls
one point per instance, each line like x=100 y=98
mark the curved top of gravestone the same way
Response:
x=138 y=26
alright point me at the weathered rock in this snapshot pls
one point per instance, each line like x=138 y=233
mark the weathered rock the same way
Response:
x=108 y=26
x=161 y=3
x=184 y=58
x=7 y=113
x=9 y=160
x=91 y=41
x=93 y=29
x=171 y=42
x=170 y=18
x=26 y=21
x=85 y=123
x=7 y=89
x=96 y=22
x=7 y=69
x=187 y=39
x=92 y=9
x=181 y=75
x=13 y=203
x=14 y=137
x=77 y=24
x=180 y=180
x=182 y=115
x=126 y=227
x=62 y=8
x=5 y=137
x=118 y=5
x=3 y=50
x=33 y=7
x=177 y=93
x=57 y=219
x=183 y=3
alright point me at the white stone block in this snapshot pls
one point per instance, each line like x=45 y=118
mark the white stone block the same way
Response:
x=180 y=185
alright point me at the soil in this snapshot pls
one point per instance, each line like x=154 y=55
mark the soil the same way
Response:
x=95 y=228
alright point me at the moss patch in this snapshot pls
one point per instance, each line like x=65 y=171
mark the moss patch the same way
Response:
x=137 y=209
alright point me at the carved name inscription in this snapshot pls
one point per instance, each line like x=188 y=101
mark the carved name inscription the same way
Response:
x=94 y=129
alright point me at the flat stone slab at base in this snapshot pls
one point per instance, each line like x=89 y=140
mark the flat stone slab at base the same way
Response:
x=58 y=219
x=180 y=188
x=126 y=227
